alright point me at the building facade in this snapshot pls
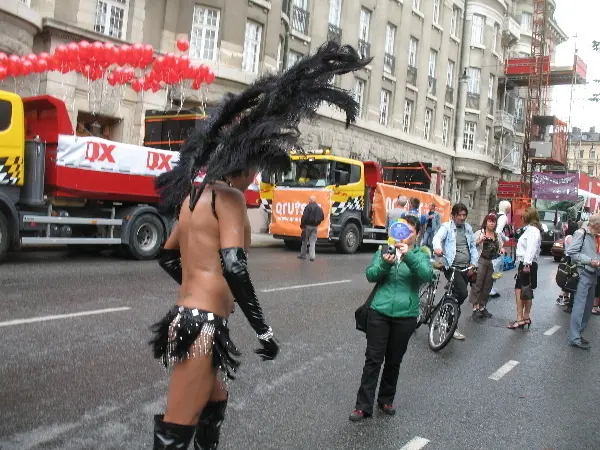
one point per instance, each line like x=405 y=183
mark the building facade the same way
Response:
x=584 y=151
x=433 y=92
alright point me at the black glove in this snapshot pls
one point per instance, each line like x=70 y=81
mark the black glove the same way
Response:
x=170 y=261
x=269 y=350
x=235 y=271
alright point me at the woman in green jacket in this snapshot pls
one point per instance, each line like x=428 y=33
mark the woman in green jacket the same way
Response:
x=392 y=319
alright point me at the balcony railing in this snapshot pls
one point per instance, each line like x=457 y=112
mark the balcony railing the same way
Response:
x=389 y=63
x=449 y=95
x=490 y=106
x=300 y=20
x=334 y=33
x=411 y=75
x=512 y=28
x=364 y=49
x=504 y=121
x=472 y=101
x=431 y=86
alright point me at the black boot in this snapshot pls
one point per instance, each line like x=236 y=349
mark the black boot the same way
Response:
x=209 y=426
x=171 y=436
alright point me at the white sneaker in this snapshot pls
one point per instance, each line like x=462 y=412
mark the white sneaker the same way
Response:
x=459 y=336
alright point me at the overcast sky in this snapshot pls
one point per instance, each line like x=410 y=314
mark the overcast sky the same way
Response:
x=579 y=18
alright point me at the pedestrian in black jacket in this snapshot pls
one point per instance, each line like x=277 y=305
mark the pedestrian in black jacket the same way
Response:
x=311 y=218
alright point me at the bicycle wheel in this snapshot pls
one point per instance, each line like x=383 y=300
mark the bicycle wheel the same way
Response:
x=425 y=304
x=443 y=324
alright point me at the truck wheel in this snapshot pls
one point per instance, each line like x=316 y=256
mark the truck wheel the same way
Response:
x=349 y=239
x=292 y=244
x=4 y=237
x=146 y=235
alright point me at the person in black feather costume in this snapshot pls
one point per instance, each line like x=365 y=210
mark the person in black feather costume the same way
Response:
x=206 y=253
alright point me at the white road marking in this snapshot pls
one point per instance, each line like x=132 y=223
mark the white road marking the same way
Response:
x=300 y=286
x=9 y=323
x=552 y=330
x=503 y=370
x=415 y=444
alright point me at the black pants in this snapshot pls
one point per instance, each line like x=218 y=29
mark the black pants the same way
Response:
x=461 y=284
x=387 y=338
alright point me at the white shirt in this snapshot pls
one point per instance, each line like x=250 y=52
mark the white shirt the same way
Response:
x=502 y=221
x=529 y=245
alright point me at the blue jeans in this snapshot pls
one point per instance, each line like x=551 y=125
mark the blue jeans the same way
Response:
x=582 y=305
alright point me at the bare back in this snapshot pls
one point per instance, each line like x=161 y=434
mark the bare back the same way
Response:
x=201 y=236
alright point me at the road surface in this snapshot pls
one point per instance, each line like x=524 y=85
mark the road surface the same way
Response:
x=74 y=381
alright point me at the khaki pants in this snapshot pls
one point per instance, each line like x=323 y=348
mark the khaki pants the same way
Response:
x=309 y=239
x=480 y=292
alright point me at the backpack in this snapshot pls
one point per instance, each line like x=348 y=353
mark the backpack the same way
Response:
x=567 y=276
x=508 y=229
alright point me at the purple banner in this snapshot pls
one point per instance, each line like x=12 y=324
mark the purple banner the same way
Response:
x=555 y=186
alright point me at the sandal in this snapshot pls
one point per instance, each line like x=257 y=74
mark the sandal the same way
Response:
x=596 y=310
x=516 y=324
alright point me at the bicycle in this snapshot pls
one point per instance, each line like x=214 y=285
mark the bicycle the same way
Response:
x=443 y=317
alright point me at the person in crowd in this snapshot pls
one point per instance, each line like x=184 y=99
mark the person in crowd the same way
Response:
x=434 y=221
x=392 y=319
x=565 y=298
x=503 y=228
x=584 y=249
x=312 y=216
x=248 y=132
x=455 y=241
x=398 y=211
x=489 y=243
x=528 y=252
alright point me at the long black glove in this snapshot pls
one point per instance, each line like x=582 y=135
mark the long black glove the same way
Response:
x=170 y=261
x=235 y=271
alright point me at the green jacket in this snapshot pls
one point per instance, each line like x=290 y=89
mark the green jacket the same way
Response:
x=398 y=294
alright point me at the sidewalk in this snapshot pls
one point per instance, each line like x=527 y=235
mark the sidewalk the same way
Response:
x=265 y=240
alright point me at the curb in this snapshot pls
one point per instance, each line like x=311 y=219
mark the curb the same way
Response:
x=260 y=240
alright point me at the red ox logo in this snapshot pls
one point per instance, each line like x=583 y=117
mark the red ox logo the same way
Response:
x=158 y=161
x=99 y=152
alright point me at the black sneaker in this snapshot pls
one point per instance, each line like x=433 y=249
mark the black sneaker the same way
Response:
x=477 y=314
x=301 y=257
x=390 y=410
x=485 y=313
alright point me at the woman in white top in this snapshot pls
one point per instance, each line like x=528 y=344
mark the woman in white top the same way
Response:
x=528 y=251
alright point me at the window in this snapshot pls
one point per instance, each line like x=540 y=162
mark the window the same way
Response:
x=408 y=106
x=384 y=107
x=413 y=45
x=592 y=154
x=365 y=20
x=445 y=130
x=111 y=18
x=432 y=62
x=474 y=83
x=293 y=57
x=590 y=169
x=280 y=54
x=469 y=138
x=454 y=21
x=251 y=55
x=580 y=154
x=427 y=126
x=450 y=74
x=520 y=108
x=390 y=39
x=436 y=11
x=526 y=22
x=335 y=12
x=491 y=87
x=359 y=94
x=495 y=37
x=205 y=31
x=477 y=26
x=416 y=4
x=5 y=114
x=487 y=140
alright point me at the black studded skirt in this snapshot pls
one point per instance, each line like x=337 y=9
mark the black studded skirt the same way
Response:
x=187 y=333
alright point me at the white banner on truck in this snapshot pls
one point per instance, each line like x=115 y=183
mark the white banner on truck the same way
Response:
x=93 y=153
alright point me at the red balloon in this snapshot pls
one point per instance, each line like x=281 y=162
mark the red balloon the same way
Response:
x=183 y=44
x=3 y=72
x=31 y=57
x=60 y=51
x=72 y=51
x=44 y=55
x=137 y=85
x=41 y=66
x=84 y=49
x=27 y=67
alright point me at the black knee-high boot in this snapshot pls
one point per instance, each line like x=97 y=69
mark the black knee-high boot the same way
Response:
x=171 y=436
x=209 y=426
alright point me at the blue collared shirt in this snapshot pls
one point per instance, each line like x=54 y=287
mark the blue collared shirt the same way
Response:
x=445 y=239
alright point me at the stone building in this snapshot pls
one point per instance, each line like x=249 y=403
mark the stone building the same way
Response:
x=584 y=151
x=433 y=92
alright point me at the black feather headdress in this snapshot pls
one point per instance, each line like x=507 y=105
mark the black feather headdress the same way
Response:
x=257 y=128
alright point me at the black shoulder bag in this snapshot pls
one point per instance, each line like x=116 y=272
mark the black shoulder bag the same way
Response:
x=567 y=277
x=362 y=313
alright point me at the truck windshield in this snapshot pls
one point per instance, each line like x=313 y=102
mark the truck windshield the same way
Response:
x=307 y=174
